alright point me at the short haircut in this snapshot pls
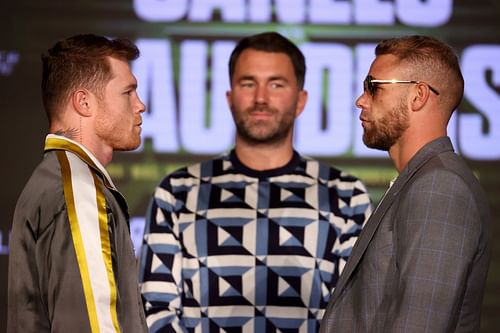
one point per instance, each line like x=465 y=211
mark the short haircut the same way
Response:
x=78 y=62
x=275 y=43
x=431 y=60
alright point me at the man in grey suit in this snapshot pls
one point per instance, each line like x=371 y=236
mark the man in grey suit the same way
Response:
x=421 y=261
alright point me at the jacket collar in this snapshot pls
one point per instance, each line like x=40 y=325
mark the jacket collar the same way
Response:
x=58 y=142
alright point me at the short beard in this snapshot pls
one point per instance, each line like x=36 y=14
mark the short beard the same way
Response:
x=387 y=131
x=273 y=136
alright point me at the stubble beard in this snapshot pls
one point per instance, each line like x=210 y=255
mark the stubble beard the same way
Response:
x=128 y=147
x=387 y=130
x=119 y=138
x=126 y=142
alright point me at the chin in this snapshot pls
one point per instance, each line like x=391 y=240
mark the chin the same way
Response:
x=379 y=145
x=128 y=146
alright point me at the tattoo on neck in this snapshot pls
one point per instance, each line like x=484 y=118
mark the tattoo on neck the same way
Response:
x=70 y=133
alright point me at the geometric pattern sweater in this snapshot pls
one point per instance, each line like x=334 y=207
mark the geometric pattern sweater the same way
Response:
x=231 y=249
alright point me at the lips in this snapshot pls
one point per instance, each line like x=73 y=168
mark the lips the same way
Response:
x=260 y=114
x=364 y=120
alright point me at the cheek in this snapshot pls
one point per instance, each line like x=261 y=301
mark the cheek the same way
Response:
x=243 y=99
x=242 y=102
x=378 y=109
x=289 y=104
x=125 y=108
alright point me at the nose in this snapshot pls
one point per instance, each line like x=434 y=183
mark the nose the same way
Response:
x=361 y=100
x=141 y=107
x=260 y=94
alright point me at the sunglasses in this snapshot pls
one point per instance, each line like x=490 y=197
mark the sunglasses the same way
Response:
x=370 y=84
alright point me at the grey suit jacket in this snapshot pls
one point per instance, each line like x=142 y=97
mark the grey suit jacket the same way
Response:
x=421 y=261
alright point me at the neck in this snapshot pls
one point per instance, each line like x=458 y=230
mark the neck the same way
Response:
x=70 y=133
x=408 y=145
x=263 y=157
x=101 y=152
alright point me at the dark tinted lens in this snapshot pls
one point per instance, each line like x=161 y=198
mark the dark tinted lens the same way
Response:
x=366 y=84
x=369 y=86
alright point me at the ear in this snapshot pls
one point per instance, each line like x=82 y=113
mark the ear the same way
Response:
x=301 y=102
x=82 y=101
x=420 y=97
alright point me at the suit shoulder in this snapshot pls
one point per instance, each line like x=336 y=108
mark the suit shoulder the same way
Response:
x=449 y=171
x=436 y=177
x=445 y=188
x=42 y=198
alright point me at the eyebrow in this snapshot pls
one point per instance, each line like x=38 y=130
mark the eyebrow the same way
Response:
x=131 y=86
x=272 y=78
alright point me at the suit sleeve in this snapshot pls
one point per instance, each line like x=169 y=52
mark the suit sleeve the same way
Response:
x=161 y=264
x=437 y=232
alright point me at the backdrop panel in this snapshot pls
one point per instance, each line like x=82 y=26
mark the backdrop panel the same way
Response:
x=183 y=77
